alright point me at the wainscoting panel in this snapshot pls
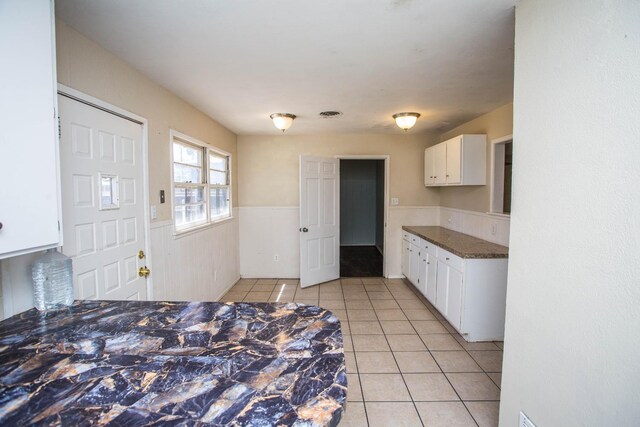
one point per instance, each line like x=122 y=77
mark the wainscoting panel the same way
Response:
x=200 y=266
x=269 y=242
x=494 y=228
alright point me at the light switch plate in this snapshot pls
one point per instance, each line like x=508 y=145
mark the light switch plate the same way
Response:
x=154 y=212
x=395 y=201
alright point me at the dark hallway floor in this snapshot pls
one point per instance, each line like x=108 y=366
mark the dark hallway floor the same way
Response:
x=360 y=261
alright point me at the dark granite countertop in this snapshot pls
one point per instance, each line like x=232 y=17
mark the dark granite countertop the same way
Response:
x=460 y=244
x=149 y=363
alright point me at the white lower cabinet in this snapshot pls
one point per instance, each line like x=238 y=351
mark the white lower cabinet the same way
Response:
x=469 y=293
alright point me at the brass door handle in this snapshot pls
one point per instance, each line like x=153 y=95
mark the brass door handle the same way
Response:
x=143 y=271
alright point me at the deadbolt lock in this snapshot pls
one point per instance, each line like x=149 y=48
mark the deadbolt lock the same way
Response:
x=143 y=271
x=140 y=254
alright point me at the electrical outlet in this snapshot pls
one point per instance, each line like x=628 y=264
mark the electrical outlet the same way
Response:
x=494 y=228
x=395 y=201
x=276 y=258
x=525 y=421
x=154 y=212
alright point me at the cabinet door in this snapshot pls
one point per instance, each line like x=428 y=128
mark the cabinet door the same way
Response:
x=440 y=163
x=429 y=166
x=430 y=278
x=454 y=160
x=454 y=298
x=406 y=258
x=414 y=269
x=422 y=272
x=29 y=203
x=441 y=287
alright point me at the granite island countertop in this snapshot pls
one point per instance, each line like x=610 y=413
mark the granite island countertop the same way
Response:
x=460 y=244
x=198 y=363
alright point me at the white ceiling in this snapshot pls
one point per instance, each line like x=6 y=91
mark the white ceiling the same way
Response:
x=241 y=60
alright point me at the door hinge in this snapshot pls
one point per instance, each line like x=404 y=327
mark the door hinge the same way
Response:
x=58 y=225
x=59 y=129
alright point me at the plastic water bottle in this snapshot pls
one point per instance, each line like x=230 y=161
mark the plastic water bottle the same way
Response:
x=52 y=281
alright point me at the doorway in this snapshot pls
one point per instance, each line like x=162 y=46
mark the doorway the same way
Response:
x=362 y=217
x=501 y=172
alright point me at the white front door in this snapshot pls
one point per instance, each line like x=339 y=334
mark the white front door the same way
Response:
x=102 y=201
x=319 y=220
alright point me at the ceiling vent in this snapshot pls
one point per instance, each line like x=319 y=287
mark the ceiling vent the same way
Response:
x=330 y=114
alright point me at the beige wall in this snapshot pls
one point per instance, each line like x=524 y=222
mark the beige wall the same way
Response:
x=268 y=166
x=573 y=321
x=496 y=124
x=89 y=68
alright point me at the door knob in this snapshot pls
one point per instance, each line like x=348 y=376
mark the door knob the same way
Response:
x=143 y=271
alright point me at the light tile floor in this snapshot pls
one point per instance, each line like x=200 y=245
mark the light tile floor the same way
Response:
x=406 y=365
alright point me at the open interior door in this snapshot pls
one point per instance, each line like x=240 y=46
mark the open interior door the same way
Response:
x=319 y=220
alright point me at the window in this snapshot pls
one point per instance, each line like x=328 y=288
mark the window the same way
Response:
x=201 y=183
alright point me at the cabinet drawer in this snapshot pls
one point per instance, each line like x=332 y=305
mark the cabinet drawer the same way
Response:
x=450 y=259
x=429 y=247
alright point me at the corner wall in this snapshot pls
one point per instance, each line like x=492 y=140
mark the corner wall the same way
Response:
x=495 y=124
x=573 y=295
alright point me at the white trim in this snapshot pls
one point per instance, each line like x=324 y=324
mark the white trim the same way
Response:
x=386 y=158
x=62 y=89
x=498 y=214
x=160 y=224
x=496 y=186
x=414 y=207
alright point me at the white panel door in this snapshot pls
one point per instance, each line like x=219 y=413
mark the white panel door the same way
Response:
x=319 y=220
x=102 y=201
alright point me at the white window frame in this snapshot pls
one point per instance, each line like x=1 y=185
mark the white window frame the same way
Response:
x=175 y=136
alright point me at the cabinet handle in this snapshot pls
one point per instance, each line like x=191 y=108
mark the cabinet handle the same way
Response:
x=447 y=259
x=0 y=226
x=447 y=176
x=428 y=263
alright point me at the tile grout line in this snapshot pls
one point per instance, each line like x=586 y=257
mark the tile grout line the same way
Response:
x=355 y=359
x=394 y=357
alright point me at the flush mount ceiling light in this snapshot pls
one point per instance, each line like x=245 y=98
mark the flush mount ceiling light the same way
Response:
x=282 y=121
x=405 y=121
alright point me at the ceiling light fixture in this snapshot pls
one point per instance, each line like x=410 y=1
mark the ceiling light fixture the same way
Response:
x=405 y=121
x=282 y=121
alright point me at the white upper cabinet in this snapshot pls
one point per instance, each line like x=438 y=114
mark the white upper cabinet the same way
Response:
x=459 y=161
x=29 y=196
